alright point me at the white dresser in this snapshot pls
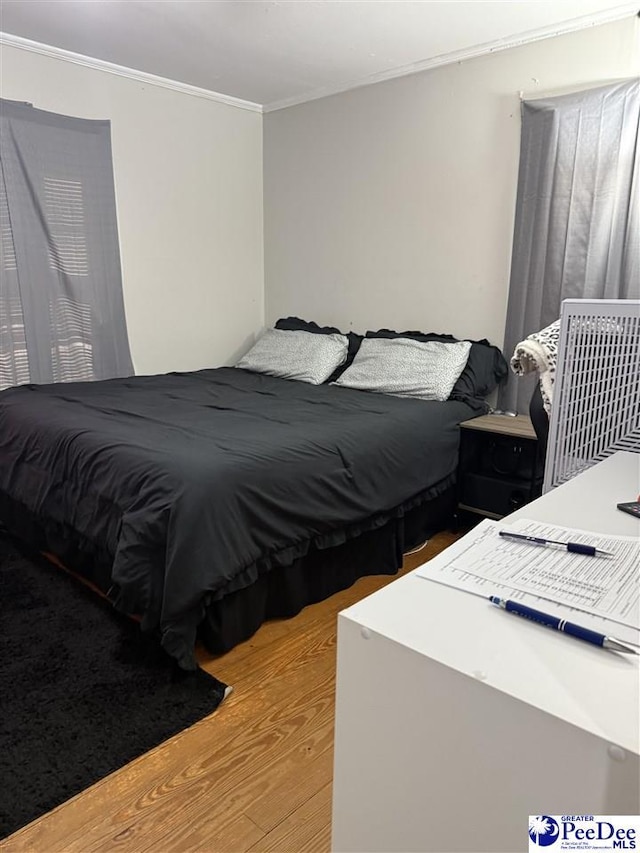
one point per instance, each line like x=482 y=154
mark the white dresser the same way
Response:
x=456 y=721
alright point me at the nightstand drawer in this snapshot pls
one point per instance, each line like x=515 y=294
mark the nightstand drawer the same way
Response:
x=491 y=496
x=501 y=455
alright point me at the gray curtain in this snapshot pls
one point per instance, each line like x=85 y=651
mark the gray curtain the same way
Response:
x=61 y=308
x=577 y=225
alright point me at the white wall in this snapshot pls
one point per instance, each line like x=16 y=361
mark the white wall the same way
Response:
x=393 y=205
x=188 y=175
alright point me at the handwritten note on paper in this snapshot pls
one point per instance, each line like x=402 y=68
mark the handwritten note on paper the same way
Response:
x=606 y=587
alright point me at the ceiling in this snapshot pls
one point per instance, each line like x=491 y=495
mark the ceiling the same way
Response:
x=274 y=53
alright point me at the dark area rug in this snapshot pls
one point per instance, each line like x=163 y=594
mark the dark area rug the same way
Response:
x=82 y=690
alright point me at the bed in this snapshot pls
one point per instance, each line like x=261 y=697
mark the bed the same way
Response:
x=209 y=501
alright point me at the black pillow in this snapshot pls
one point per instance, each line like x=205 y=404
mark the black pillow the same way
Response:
x=485 y=368
x=295 y=324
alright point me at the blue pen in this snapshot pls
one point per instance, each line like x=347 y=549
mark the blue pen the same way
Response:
x=562 y=625
x=575 y=547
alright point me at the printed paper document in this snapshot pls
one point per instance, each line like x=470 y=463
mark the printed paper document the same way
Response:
x=606 y=588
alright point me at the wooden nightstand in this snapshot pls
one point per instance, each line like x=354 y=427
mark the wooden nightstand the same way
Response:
x=500 y=466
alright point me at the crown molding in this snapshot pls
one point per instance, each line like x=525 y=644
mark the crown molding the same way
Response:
x=122 y=71
x=616 y=13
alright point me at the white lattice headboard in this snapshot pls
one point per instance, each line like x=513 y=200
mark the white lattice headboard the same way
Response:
x=596 y=395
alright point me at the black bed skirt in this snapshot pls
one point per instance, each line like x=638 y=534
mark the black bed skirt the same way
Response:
x=280 y=593
x=321 y=573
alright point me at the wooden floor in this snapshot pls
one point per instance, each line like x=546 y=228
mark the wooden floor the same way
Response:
x=254 y=776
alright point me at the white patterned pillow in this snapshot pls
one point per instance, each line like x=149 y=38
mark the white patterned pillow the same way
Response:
x=296 y=355
x=427 y=370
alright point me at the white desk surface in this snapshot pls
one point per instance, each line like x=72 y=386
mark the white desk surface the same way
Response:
x=594 y=689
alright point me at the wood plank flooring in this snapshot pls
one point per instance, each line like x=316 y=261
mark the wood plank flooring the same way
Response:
x=255 y=776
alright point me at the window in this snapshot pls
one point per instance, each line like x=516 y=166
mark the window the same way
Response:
x=577 y=227
x=61 y=308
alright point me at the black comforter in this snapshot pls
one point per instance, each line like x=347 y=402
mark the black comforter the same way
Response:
x=195 y=483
